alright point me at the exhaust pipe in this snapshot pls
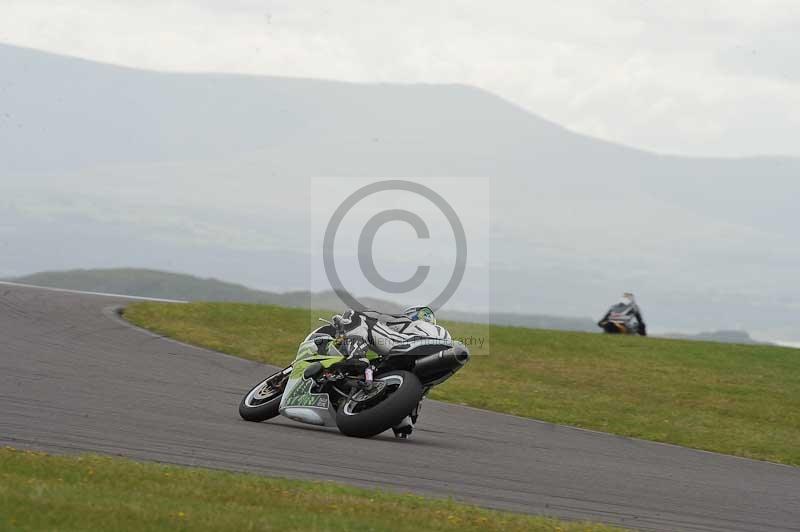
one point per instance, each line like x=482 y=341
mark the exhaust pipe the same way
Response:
x=448 y=362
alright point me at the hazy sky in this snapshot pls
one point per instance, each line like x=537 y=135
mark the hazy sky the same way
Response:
x=701 y=78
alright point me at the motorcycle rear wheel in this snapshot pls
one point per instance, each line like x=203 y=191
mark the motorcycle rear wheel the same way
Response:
x=401 y=392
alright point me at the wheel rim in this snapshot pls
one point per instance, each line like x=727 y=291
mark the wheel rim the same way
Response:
x=358 y=403
x=266 y=391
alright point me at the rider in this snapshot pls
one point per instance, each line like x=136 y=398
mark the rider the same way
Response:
x=414 y=331
x=629 y=301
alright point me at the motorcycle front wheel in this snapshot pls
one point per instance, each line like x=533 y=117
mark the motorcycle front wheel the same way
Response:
x=262 y=402
x=368 y=412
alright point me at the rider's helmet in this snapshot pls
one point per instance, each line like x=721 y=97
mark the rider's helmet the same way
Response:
x=627 y=296
x=420 y=313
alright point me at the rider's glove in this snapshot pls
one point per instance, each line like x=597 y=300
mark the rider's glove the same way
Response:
x=352 y=323
x=344 y=321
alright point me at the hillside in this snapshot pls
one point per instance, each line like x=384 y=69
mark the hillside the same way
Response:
x=168 y=285
x=147 y=283
x=211 y=174
x=728 y=337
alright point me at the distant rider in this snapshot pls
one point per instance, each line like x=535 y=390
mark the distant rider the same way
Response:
x=627 y=305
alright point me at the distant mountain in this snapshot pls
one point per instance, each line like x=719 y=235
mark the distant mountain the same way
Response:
x=168 y=285
x=726 y=337
x=532 y=321
x=147 y=283
x=103 y=166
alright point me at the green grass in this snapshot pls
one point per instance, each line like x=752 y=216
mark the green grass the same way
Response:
x=735 y=399
x=42 y=492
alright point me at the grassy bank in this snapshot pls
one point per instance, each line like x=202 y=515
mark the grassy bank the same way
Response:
x=42 y=492
x=734 y=399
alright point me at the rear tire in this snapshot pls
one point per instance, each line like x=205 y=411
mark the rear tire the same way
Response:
x=264 y=399
x=404 y=395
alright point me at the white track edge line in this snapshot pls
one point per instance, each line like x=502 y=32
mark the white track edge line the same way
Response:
x=103 y=294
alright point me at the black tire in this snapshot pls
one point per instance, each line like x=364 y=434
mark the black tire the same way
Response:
x=387 y=413
x=255 y=408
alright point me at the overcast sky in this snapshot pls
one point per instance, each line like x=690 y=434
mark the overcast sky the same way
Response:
x=699 y=78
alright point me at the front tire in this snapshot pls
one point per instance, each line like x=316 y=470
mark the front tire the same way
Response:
x=401 y=393
x=264 y=399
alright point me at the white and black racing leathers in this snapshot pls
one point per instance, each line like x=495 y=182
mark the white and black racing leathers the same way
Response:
x=396 y=334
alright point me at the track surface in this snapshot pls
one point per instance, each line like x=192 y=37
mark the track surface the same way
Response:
x=75 y=378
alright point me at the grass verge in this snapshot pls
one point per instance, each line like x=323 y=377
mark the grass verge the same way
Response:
x=43 y=492
x=733 y=399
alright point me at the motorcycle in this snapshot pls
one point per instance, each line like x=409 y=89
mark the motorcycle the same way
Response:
x=361 y=396
x=623 y=318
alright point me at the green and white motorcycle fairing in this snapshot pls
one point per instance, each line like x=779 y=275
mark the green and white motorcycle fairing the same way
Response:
x=362 y=398
x=299 y=402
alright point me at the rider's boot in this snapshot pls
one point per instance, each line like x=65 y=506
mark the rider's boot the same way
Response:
x=404 y=429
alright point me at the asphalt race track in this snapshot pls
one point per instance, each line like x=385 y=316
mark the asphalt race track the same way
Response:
x=74 y=378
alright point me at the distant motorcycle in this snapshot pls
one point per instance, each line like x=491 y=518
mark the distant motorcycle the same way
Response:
x=324 y=387
x=624 y=318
